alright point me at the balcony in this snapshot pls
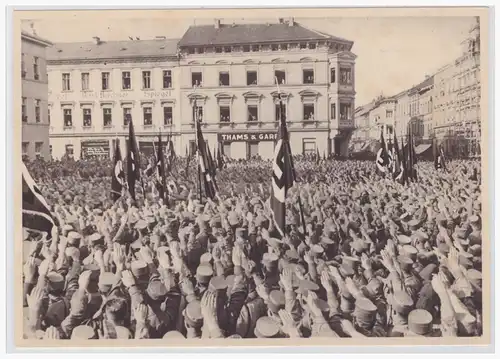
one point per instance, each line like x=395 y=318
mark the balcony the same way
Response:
x=89 y=128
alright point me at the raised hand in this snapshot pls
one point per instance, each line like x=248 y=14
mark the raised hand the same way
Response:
x=128 y=279
x=84 y=280
x=141 y=313
x=286 y=279
x=288 y=325
x=52 y=333
x=29 y=270
x=35 y=298
x=326 y=282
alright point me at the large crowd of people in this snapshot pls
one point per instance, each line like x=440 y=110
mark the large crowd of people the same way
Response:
x=369 y=257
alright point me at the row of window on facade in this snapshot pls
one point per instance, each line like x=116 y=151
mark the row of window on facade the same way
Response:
x=38 y=149
x=224 y=112
x=279 y=75
x=257 y=48
x=38 y=110
x=197 y=79
x=36 y=67
x=107 y=116
x=126 y=80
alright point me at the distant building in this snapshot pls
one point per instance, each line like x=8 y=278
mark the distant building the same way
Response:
x=34 y=115
x=444 y=106
x=228 y=71
x=97 y=87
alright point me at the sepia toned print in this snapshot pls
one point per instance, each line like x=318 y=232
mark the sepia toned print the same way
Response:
x=315 y=178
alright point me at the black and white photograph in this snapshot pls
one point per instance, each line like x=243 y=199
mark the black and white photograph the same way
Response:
x=302 y=175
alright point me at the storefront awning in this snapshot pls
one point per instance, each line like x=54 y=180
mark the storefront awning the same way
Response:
x=422 y=148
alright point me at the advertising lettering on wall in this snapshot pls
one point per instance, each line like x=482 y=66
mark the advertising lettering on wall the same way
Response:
x=110 y=95
x=247 y=137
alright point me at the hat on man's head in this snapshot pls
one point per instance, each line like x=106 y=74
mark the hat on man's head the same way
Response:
x=174 y=335
x=420 y=321
x=106 y=281
x=122 y=332
x=141 y=225
x=56 y=281
x=270 y=258
x=83 y=332
x=276 y=300
x=193 y=313
x=94 y=269
x=402 y=239
x=364 y=310
x=217 y=283
x=74 y=238
x=139 y=268
x=266 y=327
x=203 y=273
x=206 y=258
x=402 y=302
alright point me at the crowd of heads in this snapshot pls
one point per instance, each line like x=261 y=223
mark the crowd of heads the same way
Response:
x=361 y=256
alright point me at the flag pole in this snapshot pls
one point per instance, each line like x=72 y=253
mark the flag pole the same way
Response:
x=290 y=157
x=197 y=120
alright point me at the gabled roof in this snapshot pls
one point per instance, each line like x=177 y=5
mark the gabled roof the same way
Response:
x=112 y=49
x=250 y=33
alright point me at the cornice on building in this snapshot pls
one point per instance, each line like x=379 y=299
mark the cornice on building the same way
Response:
x=113 y=60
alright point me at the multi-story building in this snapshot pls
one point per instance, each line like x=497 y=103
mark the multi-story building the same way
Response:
x=34 y=114
x=420 y=110
x=97 y=87
x=444 y=114
x=229 y=73
x=456 y=114
x=402 y=115
x=467 y=90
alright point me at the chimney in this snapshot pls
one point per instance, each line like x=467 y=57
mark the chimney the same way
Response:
x=291 y=21
x=97 y=40
x=217 y=23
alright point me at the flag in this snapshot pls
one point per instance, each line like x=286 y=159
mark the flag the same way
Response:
x=397 y=164
x=160 y=169
x=443 y=158
x=439 y=161
x=318 y=157
x=118 y=177
x=206 y=164
x=188 y=157
x=220 y=159
x=36 y=211
x=282 y=176
x=382 y=156
x=211 y=163
x=412 y=156
x=133 y=165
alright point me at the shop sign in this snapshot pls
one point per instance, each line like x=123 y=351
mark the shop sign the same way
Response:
x=247 y=136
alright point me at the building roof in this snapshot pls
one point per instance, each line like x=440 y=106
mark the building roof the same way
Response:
x=112 y=49
x=250 y=33
x=35 y=38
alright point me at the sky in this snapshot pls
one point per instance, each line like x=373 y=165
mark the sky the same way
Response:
x=393 y=53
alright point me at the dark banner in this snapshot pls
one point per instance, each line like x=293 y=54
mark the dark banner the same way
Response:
x=246 y=136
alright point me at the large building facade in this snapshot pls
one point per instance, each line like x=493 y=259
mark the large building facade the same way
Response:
x=96 y=88
x=230 y=73
x=226 y=72
x=34 y=113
